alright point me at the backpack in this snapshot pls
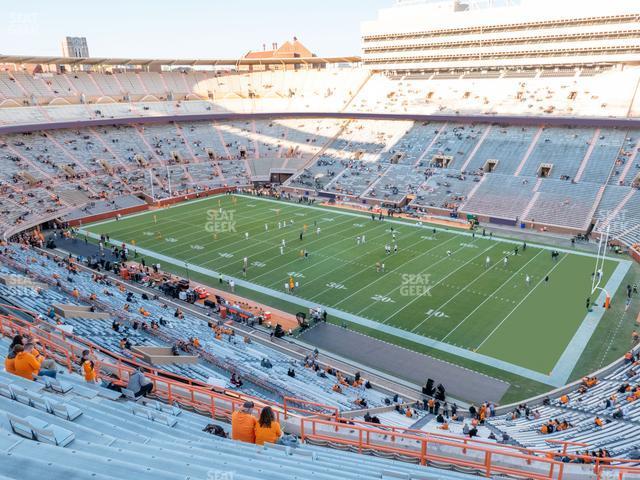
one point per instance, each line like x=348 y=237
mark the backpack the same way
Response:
x=216 y=430
x=289 y=441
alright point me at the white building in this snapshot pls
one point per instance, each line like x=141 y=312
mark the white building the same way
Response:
x=75 y=47
x=418 y=35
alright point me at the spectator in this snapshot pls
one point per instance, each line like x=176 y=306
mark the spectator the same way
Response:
x=88 y=367
x=243 y=424
x=17 y=340
x=10 y=361
x=235 y=380
x=139 y=384
x=27 y=365
x=267 y=429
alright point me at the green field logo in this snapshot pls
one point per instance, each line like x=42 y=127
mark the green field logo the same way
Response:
x=415 y=285
x=220 y=221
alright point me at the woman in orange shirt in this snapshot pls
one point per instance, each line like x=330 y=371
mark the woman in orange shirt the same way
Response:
x=10 y=361
x=88 y=367
x=267 y=429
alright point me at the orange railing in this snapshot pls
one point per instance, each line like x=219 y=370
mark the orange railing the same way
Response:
x=321 y=423
x=617 y=472
x=47 y=330
x=428 y=448
x=172 y=388
x=289 y=404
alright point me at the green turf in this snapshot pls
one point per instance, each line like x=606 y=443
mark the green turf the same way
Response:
x=456 y=299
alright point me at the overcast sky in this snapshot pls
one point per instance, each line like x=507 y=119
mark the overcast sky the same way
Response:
x=184 y=28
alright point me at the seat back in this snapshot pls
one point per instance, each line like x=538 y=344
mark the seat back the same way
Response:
x=21 y=427
x=163 y=419
x=55 y=385
x=62 y=410
x=128 y=393
x=5 y=390
x=39 y=402
x=140 y=412
x=21 y=394
x=54 y=436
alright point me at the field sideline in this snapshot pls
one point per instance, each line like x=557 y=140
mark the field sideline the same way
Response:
x=438 y=289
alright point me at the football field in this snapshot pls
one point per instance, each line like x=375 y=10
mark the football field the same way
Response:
x=469 y=295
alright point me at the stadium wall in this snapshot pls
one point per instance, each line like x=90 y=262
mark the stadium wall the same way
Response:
x=587 y=122
x=107 y=215
x=151 y=203
x=165 y=202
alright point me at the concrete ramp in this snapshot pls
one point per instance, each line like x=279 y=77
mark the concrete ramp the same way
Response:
x=413 y=367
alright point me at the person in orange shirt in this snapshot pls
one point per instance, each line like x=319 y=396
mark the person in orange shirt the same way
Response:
x=10 y=361
x=243 y=424
x=26 y=364
x=267 y=429
x=88 y=368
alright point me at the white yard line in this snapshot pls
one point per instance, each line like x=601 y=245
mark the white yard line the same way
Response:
x=391 y=271
x=459 y=292
x=490 y=296
x=520 y=303
x=437 y=283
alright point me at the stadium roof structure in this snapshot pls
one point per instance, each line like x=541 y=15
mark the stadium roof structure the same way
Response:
x=105 y=61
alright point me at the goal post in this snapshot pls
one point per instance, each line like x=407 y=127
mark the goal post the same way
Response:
x=598 y=272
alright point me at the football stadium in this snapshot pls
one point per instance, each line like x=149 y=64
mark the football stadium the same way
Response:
x=436 y=234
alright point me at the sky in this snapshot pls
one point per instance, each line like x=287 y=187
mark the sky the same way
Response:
x=184 y=28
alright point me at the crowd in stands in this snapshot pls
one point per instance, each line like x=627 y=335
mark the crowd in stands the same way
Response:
x=142 y=320
x=86 y=171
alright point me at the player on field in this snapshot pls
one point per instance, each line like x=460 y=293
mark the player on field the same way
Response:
x=487 y=262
